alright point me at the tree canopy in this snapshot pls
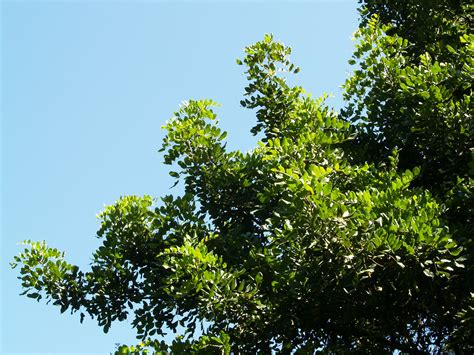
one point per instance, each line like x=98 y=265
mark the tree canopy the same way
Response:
x=413 y=92
x=339 y=232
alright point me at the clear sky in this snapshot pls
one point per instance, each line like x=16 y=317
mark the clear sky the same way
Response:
x=85 y=88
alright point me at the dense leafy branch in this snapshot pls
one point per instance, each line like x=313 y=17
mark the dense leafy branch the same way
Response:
x=303 y=244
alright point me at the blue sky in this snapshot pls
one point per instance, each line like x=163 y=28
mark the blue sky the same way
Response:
x=86 y=87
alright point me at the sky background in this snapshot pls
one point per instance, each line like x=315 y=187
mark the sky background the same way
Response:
x=85 y=88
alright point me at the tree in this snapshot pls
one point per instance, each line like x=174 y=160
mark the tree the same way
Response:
x=299 y=245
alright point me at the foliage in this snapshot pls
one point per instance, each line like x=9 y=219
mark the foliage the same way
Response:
x=426 y=24
x=299 y=245
x=412 y=91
